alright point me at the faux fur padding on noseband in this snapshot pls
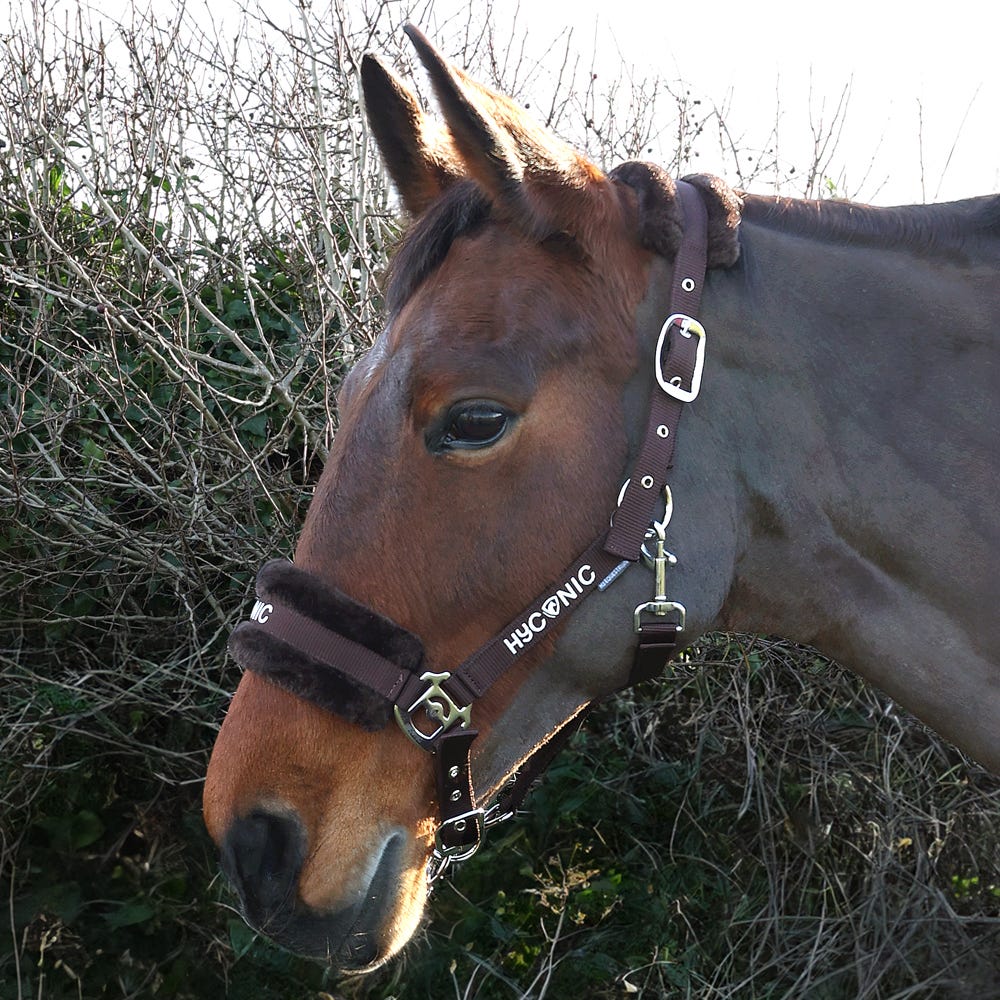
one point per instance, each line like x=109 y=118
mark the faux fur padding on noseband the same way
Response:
x=320 y=683
x=659 y=218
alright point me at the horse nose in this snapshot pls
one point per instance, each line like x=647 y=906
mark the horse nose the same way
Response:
x=262 y=854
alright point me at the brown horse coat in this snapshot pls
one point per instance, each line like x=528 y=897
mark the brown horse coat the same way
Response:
x=835 y=481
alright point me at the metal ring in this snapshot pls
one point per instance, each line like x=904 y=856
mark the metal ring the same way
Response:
x=663 y=431
x=688 y=284
x=647 y=482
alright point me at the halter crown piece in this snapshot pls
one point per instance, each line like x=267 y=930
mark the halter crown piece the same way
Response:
x=321 y=645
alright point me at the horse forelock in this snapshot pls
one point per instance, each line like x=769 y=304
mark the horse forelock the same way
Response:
x=462 y=209
x=584 y=222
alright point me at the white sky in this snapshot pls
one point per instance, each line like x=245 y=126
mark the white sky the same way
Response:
x=902 y=60
x=922 y=120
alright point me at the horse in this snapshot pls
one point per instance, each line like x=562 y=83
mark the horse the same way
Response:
x=444 y=623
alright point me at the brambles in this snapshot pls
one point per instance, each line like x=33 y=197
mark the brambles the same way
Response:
x=174 y=325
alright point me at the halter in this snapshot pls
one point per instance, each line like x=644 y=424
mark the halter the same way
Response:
x=363 y=665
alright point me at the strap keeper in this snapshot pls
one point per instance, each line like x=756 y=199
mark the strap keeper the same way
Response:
x=650 y=658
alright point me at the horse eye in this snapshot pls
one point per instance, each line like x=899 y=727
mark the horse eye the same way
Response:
x=476 y=424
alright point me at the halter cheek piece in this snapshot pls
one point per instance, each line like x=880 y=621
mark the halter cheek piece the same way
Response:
x=344 y=657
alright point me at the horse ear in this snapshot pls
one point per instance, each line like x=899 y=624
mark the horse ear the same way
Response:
x=502 y=146
x=417 y=151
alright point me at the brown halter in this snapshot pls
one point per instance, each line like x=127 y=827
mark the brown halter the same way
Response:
x=442 y=702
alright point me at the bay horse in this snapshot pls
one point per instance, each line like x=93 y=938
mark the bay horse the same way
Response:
x=834 y=481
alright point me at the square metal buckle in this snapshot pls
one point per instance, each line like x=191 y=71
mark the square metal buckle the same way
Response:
x=661 y=609
x=687 y=327
x=460 y=852
x=442 y=856
x=438 y=705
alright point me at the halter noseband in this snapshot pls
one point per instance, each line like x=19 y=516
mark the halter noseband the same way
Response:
x=368 y=669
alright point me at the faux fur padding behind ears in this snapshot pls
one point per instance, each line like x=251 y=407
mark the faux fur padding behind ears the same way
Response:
x=659 y=217
x=321 y=683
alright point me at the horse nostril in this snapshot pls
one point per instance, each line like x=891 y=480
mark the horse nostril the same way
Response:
x=262 y=854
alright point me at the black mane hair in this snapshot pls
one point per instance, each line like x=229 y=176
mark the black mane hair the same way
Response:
x=954 y=227
x=461 y=210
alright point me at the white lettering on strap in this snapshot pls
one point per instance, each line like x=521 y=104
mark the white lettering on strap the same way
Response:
x=551 y=607
x=261 y=612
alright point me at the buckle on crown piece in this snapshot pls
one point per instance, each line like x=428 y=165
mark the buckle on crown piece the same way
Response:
x=686 y=327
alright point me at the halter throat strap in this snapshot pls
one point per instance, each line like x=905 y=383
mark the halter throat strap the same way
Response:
x=434 y=709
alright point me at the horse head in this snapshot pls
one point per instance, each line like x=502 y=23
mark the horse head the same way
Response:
x=483 y=442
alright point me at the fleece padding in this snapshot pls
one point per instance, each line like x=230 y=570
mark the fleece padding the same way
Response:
x=298 y=673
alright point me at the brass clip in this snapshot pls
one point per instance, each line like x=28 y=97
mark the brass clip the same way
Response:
x=659 y=605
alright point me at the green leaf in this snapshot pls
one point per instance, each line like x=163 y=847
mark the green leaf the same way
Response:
x=237 y=310
x=241 y=937
x=136 y=911
x=93 y=451
x=85 y=829
x=73 y=832
x=256 y=424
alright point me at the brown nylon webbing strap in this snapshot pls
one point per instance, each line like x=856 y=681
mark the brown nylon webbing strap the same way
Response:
x=656 y=646
x=490 y=662
x=322 y=644
x=649 y=474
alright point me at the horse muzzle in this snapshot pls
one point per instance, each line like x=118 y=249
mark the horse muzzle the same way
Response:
x=264 y=855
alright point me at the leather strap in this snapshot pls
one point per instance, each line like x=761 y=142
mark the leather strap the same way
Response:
x=653 y=653
x=460 y=828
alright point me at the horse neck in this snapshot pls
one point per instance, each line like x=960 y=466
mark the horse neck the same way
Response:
x=845 y=406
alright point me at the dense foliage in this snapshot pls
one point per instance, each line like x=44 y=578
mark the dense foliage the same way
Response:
x=189 y=239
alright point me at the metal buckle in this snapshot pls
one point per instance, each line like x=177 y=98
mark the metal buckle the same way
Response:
x=655 y=529
x=438 y=705
x=687 y=326
x=442 y=856
x=668 y=508
x=660 y=609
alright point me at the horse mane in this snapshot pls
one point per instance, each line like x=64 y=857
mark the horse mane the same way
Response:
x=953 y=227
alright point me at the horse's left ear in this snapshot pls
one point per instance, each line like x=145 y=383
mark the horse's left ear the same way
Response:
x=417 y=151
x=522 y=166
